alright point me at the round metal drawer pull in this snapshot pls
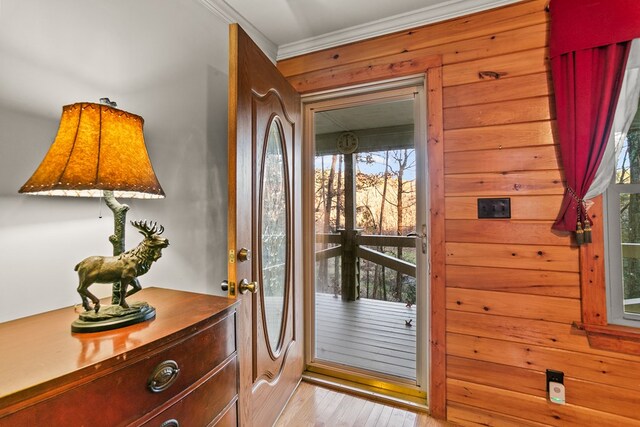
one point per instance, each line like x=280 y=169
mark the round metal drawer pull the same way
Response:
x=170 y=423
x=162 y=377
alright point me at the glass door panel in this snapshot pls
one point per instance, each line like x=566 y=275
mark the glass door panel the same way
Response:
x=367 y=234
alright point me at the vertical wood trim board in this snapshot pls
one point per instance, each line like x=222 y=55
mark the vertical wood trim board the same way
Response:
x=594 y=306
x=435 y=150
x=495 y=137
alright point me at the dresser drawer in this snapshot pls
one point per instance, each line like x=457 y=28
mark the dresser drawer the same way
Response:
x=229 y=418
x=203 y=404
x=122 y=395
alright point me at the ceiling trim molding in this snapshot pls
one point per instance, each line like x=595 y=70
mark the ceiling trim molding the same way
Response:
x=428 y=15
x=232 y=16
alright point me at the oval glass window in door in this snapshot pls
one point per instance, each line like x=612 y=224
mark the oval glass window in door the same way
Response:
x=273 y=237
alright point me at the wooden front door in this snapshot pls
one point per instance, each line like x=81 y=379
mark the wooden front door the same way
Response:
x=264 y=242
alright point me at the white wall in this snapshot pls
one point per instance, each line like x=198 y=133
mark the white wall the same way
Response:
x=165 y=60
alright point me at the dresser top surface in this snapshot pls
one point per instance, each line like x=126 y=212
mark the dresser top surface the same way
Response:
x=41 y=349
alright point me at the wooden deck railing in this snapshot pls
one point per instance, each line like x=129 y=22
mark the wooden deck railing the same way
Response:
x=385 y=260
x=350 y=246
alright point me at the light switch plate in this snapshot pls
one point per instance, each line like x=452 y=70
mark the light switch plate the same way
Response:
x=494 y=208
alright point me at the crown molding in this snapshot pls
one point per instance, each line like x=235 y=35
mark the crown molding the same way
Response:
x=428 y=15
x=231 y=16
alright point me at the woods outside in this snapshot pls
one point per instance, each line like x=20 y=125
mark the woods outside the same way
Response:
x=385 y=204
x=628 y=172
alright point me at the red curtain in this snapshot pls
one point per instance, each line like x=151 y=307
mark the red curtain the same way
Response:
x=584 y=24
x=590 y=41
x=587 y=84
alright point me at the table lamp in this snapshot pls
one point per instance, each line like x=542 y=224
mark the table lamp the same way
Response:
x=99 y=151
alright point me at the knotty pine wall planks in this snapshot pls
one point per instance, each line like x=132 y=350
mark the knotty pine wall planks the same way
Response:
x=512 y=286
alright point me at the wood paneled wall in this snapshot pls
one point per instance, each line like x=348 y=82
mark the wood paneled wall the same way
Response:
x=512 y=286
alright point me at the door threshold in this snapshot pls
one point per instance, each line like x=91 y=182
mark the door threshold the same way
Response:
x=369 y=392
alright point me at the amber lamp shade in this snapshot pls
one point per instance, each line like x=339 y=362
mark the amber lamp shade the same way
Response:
x=98 y=148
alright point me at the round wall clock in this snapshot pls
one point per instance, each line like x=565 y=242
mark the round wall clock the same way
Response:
x=347 y=142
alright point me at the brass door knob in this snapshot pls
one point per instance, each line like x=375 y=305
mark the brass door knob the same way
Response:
x=245 y=286
x=244 y=254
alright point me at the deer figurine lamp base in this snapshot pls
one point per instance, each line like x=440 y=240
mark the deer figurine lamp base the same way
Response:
x=122 y=269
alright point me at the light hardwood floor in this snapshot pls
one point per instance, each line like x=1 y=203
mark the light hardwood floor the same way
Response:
x=312 y=405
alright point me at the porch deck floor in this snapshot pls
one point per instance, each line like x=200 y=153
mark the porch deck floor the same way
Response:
x=367 y=334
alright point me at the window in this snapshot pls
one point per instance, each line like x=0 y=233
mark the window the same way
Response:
x=612 y=320
x=623 y=231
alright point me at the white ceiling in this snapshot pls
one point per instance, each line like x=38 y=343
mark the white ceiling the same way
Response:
x=368 y=116
x=287 y=21
x=294 y=27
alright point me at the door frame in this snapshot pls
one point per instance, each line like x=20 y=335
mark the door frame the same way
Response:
x=400 y=89
x=433 y=314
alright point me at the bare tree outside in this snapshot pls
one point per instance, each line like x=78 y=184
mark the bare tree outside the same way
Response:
x=628 y=172
x=385 y=205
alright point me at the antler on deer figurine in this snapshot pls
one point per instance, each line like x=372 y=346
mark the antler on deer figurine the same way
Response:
x=124 y=268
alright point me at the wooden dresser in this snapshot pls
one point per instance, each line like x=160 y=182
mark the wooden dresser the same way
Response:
x=179 y=369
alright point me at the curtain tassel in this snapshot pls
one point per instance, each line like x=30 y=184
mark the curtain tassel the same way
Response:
x=587 y=231
x=583 y=233
x=580 y=233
